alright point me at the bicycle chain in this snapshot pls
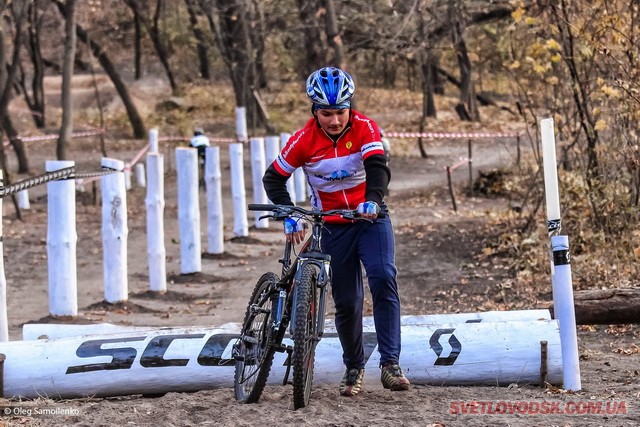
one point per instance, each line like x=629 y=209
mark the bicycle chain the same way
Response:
x=62 y=174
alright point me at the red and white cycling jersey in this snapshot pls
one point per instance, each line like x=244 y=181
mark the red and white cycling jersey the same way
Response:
x=335 y=171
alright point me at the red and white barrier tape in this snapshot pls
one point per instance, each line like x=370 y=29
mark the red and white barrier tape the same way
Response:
x=137 y=157
x=462 y=161
x=451 y=134
x=55 y=136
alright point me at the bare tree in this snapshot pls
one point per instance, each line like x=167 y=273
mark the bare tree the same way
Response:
x=230 y=24
x=8 y=73
x=313 y=57
x=194 y=10
x=333 y=34
x=33 y=91
x=152 y=25
x=467 y=108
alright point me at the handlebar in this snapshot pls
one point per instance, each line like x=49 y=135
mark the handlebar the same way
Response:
x=283 y=211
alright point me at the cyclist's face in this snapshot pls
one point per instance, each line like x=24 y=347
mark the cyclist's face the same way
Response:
x=333 y=121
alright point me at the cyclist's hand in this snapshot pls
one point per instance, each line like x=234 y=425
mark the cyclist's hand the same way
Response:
x=368 y=210
x=295 y=230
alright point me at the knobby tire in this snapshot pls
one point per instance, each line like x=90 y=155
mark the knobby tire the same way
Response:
x=254 y=348
x=304 y=335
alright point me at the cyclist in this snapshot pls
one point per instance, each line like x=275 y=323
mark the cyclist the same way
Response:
x=200 y=142
x=341 y=153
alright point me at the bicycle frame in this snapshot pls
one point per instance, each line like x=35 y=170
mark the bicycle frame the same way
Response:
x=310 y=253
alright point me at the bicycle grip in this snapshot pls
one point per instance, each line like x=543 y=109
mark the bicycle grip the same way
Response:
x=260 y=207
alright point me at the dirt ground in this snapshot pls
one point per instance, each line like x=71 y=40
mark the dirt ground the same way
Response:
x=441 y=270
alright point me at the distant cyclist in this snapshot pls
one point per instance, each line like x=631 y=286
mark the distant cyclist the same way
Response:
x=341 y=153
x=200 y=142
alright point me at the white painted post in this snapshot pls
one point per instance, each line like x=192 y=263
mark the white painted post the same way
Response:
x=4 y=320
x=257 y=172
x=127 y=179
x=300 y=185
x=23 y=199
x=291 y=186
x=140 y=178
x=241 y=124
x=238 y=192
x=61 y=242
x=213 y=185
x=155 y=216
x=271 y=149
x=188 y=210
x=153 y=141
x=563 y=302
x=115 y=232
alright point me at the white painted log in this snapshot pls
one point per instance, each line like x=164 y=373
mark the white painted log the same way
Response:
x=4 y=321
x=140 y=178
x=23 y=199
x=215 y=215
x=241 y=124
x=115 y=232
x=33 y=331
x=238 y=191
x=257 y=172
x=154 y=201
x=188 y=210
x=62 y=239
x=192 y=359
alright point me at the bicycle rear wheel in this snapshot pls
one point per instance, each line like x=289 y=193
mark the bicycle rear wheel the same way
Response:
x=305 y=336
x=254 y=351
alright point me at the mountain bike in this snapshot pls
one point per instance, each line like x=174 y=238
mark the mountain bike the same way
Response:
x=295 y=301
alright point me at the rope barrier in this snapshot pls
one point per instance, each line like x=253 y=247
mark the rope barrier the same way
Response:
x=66 y=173
x=452 y=134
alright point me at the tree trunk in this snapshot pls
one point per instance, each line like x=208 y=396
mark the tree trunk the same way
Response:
x=67 y=76
x=36 y=100
x=137 y=46
x=258 y=37
x=313 y=57
x=7 y=76
x=234 y=39
x=153 y=29
x=467 y=91
x=607 y=307
x=333 y=35
x=137 y=124
x=18 y=145
x=201 y=44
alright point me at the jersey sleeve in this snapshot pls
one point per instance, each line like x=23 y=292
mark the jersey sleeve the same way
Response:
x=371 y=142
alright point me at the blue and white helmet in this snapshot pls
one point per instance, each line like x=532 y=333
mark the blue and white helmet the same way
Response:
x=330 y=87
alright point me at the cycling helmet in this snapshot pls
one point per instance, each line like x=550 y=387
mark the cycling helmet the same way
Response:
x=198 y=131
x=330 y=87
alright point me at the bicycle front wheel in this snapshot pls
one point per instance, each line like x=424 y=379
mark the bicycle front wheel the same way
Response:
x=254 y=351
x=305 y=336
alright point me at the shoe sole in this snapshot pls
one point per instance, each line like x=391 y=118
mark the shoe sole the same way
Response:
x=397 y=387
